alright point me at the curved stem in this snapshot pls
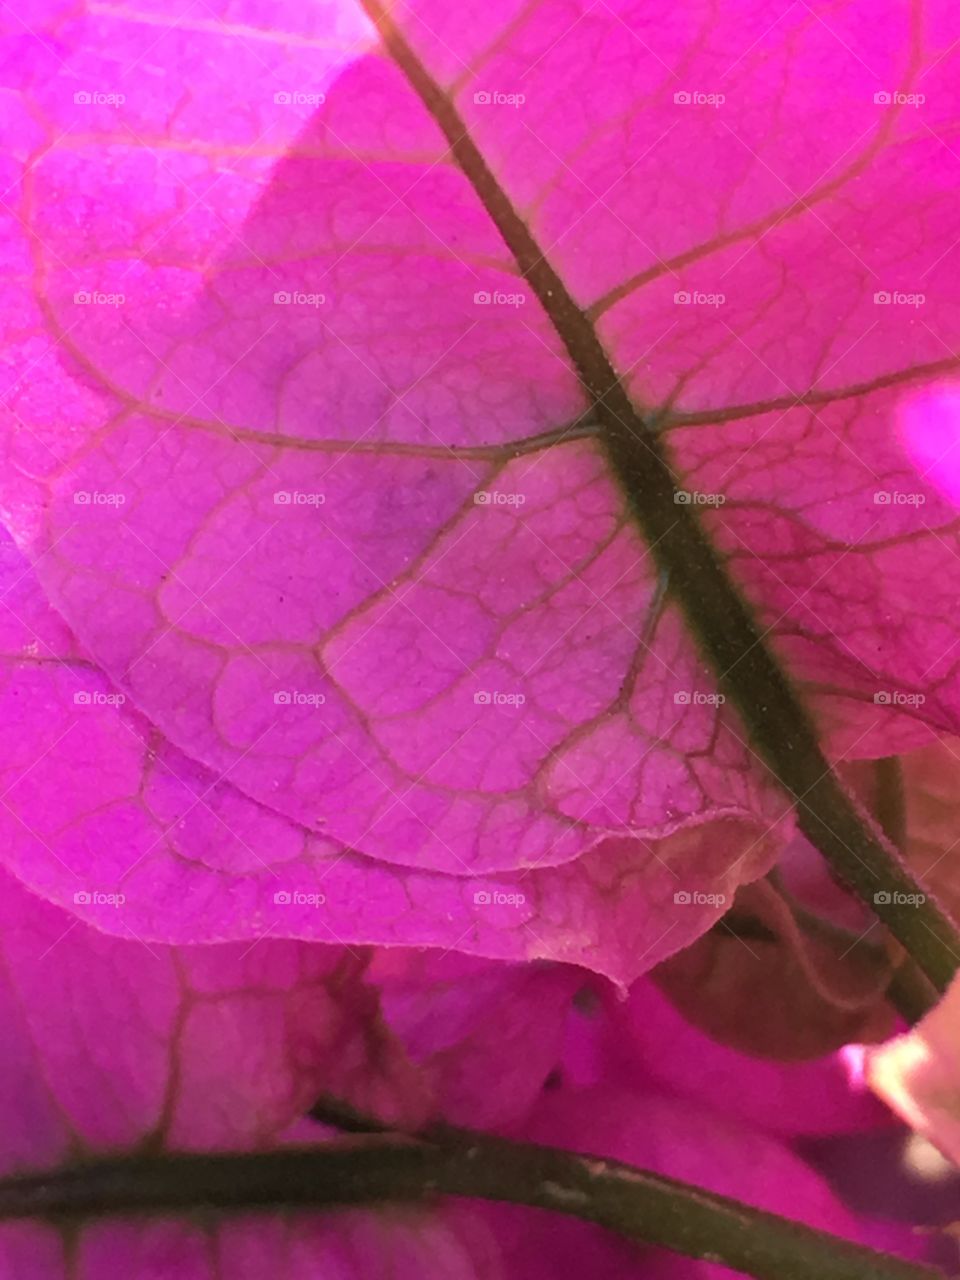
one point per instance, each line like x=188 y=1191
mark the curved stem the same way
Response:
x=634 y=1202
x=910 y=989
x=639 y=1204
x=890 y=800
x=910 y=993
x=730 y=638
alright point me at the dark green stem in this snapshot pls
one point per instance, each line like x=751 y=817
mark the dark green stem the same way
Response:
x=634 y=1202
x=890 y=800
x=910 y=990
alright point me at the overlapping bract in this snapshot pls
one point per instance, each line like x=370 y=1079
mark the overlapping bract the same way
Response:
x=277 y=359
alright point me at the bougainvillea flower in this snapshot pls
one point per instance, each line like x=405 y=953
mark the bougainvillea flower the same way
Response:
x=341 y=606
x=287 y=432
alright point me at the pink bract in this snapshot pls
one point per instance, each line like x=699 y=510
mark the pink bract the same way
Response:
x=264 y=457
x=326 y=625
x=111 y=1045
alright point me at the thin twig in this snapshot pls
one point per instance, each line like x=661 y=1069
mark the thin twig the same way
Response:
x=642 y=1205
